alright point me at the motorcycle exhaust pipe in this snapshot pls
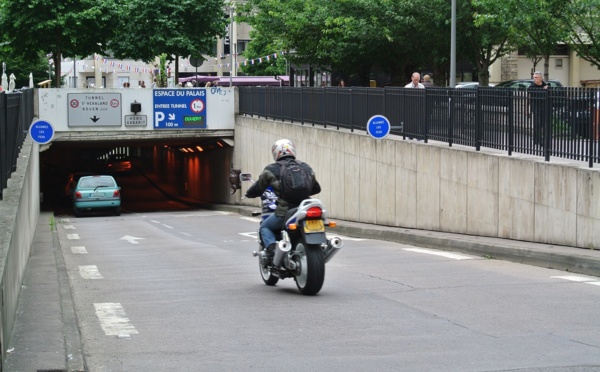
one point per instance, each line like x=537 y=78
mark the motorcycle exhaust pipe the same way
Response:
x=282 y=248
x=333 y=247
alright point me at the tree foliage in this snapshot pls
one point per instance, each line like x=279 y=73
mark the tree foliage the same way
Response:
x=533 y=25
x=580 y=22
x=57 y=27
x=16 y=64
x=149 y=28
x=357 y=37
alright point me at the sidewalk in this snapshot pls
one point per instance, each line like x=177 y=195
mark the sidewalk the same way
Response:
x=46 y=337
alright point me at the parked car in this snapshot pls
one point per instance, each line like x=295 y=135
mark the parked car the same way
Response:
x=469 y=85
x=525 y=83
x=118 y=163
x=99 y=192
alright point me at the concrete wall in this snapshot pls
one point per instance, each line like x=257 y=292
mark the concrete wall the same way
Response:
x=411 y=184
x=19 y=213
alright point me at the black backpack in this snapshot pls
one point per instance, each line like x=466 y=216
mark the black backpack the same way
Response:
x=296 y=183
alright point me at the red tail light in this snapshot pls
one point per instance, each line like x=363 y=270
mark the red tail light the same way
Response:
x=77 y=195
x=116 y=193
x=314 y=212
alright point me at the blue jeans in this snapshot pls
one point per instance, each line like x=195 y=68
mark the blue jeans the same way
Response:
x=269 y=228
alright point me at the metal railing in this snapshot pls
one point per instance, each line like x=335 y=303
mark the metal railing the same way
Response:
x=560 y=122
x=16 y=115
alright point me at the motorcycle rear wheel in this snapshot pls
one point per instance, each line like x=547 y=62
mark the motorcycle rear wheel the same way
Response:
x=266 y=274
x=310 y=273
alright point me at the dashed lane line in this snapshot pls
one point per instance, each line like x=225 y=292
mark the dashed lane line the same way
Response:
x=454 y=256
x=90 y=272
x=113 y=320
x=578 y=279
x=79 y=250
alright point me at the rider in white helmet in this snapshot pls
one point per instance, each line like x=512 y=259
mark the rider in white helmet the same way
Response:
x=283 y=151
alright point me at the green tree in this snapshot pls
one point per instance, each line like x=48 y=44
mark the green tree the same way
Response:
x=17 y=65
x=532 y=24
x=149 y=28
x=482 y=41
x=347 y=36
x=580 y=24
x=261 y=47
x=59 y=27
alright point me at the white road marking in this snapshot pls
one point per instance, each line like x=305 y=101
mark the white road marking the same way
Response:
x=454 y=256
x=131 y=239
x=73 y=236
x=253 y=235
x=208 y=214
x=186 y=234
x=64 y=220
x=79 y=250
x=155 y=221
x=69 y=227
x=90 y=272
x=578 y=279
x=167 y=226
x=251 y=219
x=113 y=319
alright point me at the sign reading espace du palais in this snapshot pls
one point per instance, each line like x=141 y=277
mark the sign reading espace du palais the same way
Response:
x=181 y=108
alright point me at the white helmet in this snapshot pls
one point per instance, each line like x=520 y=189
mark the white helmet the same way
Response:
x=283 y=148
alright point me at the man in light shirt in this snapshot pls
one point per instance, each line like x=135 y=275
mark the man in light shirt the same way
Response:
x=416 y=77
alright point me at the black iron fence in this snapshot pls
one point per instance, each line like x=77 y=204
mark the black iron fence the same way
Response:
x=561 y=122
x=16 y=115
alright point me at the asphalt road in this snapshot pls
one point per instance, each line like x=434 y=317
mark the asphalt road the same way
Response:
x=181 y=291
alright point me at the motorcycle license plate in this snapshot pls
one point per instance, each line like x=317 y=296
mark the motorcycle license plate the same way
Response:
x=313 y=226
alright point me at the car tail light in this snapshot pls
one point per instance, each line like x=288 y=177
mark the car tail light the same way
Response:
x=77 y=195
x=314 y=212
x=116 y=193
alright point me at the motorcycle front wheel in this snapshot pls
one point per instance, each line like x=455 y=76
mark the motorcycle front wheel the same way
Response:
x=266 y=274
x=310 y=272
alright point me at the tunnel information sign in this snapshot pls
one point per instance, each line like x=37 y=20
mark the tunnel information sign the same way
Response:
x=179 y=108
x=94 y=109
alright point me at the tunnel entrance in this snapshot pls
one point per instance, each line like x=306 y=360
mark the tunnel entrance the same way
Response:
x=154 y=175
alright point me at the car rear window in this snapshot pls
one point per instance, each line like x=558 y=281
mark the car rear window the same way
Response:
x=92 y=182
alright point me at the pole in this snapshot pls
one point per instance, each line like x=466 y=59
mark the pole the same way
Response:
x=230 y=45
x=453 y=46
x=233 y=41
x=74 y=72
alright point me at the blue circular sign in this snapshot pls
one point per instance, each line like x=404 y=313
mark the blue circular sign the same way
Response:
x=378 y=126
x=41 y=132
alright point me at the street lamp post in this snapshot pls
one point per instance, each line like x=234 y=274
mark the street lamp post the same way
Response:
x=453 y=46
x=231 y=44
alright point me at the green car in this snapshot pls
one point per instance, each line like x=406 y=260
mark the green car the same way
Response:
x=97 y=193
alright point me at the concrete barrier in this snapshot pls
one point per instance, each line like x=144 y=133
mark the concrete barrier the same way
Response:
x=19 y=213
x=411 y=184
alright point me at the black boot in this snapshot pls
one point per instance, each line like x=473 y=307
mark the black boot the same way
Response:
x=271 y=250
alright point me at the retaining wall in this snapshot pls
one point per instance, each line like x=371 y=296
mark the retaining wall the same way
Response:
x=431 y=186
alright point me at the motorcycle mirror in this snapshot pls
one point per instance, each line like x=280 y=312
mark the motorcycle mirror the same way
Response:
x=246 y=177
x=234 y=180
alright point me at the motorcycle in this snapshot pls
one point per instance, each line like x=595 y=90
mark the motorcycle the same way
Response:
x=302 y=248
